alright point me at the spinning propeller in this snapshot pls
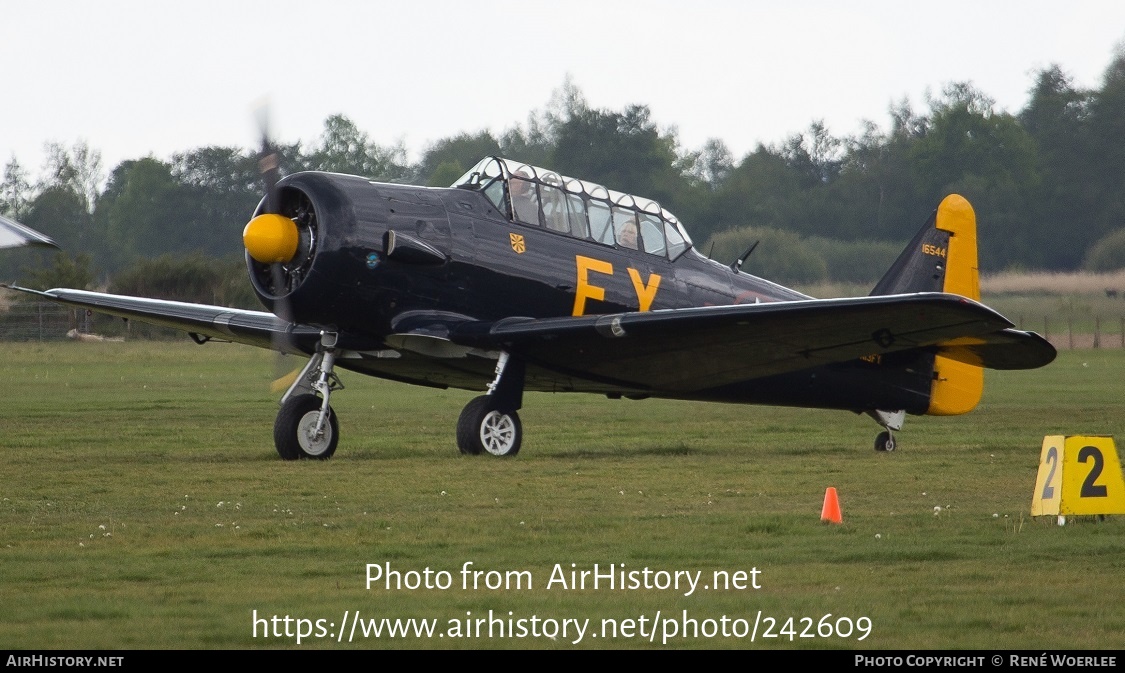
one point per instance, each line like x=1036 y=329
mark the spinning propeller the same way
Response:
x=272 y=239
x=282 y=238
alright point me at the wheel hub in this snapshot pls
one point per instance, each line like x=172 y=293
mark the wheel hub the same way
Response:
x=314 y=443
x=497 y=433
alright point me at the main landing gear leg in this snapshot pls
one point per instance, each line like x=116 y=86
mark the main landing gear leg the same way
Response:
x=892 y=421
x=489 y=423
x=306 y=425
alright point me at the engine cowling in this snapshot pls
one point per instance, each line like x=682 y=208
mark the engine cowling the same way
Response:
x=299 y=257
x=326 y=259
x=281 y=247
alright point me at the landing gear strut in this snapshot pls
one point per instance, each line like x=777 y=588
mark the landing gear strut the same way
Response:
x=489 y=423
x=306 y=425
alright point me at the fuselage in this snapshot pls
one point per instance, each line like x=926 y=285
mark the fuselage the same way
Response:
x=378 y=260
x=493 y=267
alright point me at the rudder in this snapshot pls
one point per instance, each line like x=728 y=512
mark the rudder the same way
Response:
x=942 y=257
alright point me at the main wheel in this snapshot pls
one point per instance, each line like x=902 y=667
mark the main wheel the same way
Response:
x=294 y=430
x=885 y=441
x=482 y=428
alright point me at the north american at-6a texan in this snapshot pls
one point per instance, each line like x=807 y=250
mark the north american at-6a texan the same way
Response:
x=520 y=279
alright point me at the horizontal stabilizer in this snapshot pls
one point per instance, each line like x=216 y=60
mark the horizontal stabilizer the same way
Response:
x=1006 y=349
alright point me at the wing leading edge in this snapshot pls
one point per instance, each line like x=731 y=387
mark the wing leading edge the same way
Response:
x=254 y=328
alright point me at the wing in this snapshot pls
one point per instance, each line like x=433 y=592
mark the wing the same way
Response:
x=675 y=351
x=685 y=350
x=255 y=328
x=14 y=235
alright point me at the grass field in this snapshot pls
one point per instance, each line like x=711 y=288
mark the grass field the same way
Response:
x=142 y=506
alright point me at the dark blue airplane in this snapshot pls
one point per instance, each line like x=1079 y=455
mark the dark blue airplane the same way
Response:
x=517 y=278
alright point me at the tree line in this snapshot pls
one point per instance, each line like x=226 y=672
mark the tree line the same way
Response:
x=1047 y=182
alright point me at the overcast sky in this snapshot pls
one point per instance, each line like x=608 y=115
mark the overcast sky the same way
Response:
x=139 y=78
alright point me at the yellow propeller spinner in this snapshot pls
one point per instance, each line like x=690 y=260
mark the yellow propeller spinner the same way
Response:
x=270 y=238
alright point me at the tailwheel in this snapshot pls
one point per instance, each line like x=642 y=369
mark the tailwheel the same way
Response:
x=484 y=428
x=295 y=432
x=885 y=441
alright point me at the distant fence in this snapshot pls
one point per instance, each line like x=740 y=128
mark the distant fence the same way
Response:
x=46 y=321
x=39 y=321
x=1077 y=333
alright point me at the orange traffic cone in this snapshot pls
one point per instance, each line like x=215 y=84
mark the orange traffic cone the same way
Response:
x=830 y=513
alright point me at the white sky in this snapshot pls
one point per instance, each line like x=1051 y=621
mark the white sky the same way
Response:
x=146 y=77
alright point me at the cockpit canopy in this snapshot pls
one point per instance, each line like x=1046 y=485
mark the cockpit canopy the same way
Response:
x=543 y=198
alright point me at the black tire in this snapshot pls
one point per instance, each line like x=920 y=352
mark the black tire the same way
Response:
x=885 y=442
x=482 y=428
x=295 y=420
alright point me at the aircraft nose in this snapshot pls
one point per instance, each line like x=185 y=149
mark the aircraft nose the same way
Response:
x=270 y=238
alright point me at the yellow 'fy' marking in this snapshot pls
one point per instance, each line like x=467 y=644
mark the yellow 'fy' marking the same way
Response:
x=646 y=292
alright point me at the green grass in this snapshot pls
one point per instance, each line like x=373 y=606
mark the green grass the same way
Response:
x=142 y=506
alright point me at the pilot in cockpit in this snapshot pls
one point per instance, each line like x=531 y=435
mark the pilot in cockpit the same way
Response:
x=627 y=235
x=554 y=203
x=525 y=203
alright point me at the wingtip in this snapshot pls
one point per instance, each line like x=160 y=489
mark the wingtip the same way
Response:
x=15 y=235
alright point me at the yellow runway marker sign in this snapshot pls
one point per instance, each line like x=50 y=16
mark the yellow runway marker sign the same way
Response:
x=1078 y=475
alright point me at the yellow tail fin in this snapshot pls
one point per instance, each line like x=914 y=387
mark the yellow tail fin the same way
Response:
x=957 y=386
